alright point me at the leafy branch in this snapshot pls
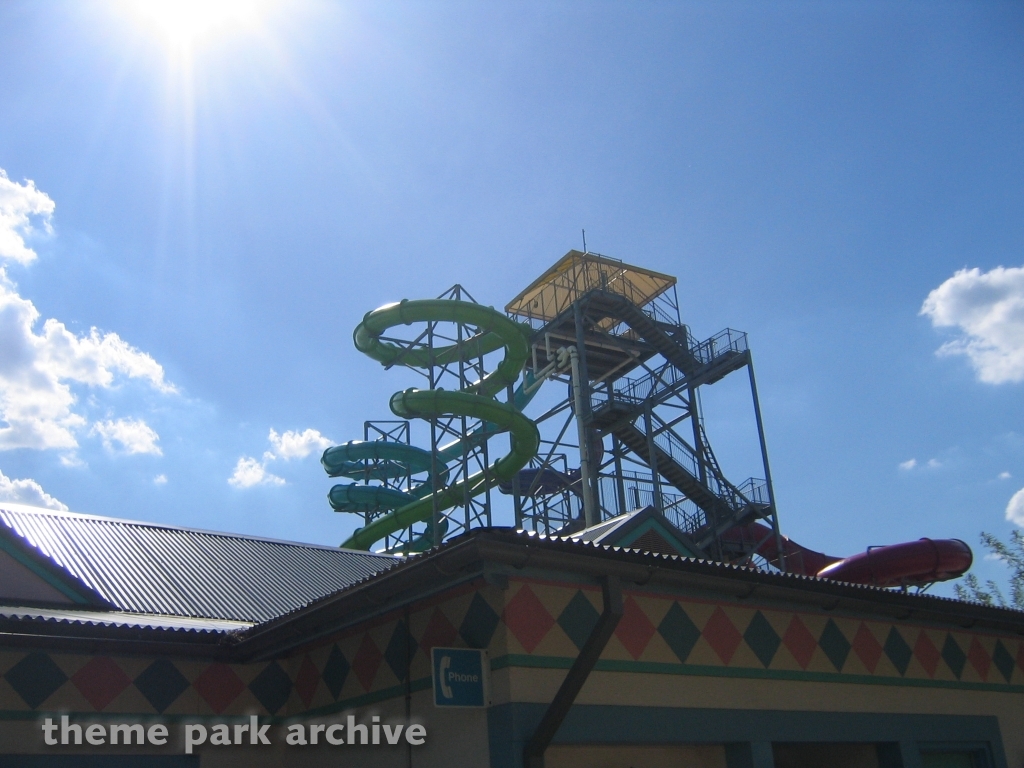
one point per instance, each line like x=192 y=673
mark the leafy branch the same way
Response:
x=1011 y=553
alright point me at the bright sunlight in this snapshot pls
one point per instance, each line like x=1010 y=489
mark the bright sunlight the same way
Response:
x=185 y=22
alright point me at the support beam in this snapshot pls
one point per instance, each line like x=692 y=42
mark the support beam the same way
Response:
x=611 y=592
x=584 y=418
x=767 y=470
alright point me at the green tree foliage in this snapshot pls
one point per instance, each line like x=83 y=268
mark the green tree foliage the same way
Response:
x=1011 y=553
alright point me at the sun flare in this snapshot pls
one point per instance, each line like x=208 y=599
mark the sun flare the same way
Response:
x=185 y=22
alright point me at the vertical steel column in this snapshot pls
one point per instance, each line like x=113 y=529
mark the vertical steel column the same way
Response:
x=653 y=460
x=590 y=515
x=517 y=501
x=436 y=515
x=581 y=385
x=764 y=459
x=620 y=487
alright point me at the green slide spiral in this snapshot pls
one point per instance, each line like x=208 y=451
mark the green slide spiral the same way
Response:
x=475 y=401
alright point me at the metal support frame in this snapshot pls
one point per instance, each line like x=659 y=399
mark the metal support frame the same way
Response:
x=767 y=471
x=637 y=380
x=634 y=373
x=454 y=372
x=581 y=391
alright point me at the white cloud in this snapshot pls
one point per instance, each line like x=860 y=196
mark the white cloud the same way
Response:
x=298 y=445
x=39 y=365
x=1005 y=475
x=290 y=445
x=1015 y=509
x=19 y=204
x=27 y=492
x=988 y=308
x=160 y=480
x=913 y=464
x=249 y=472
x=132 y=435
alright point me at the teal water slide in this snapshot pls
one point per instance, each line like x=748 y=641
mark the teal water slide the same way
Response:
x=476 y=401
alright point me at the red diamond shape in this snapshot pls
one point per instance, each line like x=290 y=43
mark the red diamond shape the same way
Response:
x=366 y=662
x=722 y=636
x=219 y=686
x=527 y=618
x=100 y=681
x=979 y=658
x=800 y=642
x=635 y=630
x=439 y=632
x=867 y=648
x=307 y=680
x=926 y=652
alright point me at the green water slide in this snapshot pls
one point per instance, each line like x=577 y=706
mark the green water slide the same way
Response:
x=475 y=401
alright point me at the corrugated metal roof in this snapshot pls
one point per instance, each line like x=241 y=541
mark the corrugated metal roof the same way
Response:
x=122 y=619
x=158 y=569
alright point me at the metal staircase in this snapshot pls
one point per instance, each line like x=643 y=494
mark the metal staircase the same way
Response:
x=640 y=372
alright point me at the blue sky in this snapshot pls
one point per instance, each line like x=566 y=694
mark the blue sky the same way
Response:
x=224 y=212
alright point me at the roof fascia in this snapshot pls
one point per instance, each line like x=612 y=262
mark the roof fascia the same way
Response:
x=378 y=595
x=496 y=554
x=108 y=639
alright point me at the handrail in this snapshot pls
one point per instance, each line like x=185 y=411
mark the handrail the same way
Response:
x=638 y=390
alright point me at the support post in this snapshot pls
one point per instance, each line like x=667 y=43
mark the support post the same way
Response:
x=590 y=516
x=620 y=487
x=581 y=386
x=652 y=459
x=517 y=501
x=435 y=516
x=767 y=471
x=611 y=592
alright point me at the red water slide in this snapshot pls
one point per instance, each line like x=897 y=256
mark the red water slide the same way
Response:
x=911 y=563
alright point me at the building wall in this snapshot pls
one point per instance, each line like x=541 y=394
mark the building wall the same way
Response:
x=674 y=658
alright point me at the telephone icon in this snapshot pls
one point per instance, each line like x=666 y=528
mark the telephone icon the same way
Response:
x=446 y=690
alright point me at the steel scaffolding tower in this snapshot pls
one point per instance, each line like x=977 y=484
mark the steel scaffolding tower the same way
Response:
x=613 y=334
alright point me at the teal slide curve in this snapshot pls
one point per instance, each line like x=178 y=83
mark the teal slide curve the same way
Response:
x=476 y=401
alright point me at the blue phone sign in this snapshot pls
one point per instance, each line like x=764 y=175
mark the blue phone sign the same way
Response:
x=460 y=677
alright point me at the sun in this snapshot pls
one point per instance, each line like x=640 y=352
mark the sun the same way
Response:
x=185 y=22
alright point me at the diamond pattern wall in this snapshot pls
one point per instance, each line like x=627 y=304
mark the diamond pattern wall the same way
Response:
x=531 y=623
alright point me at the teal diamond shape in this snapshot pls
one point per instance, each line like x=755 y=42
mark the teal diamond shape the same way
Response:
x=272 y=687
x=679 y=632
x=335 y=672
x=1003 y=660
x=898 y=651
x=399 y=651
x=835 y=645
x=161 y=683
x=35 y=678
x=762 y=639
x=479 y=623
x=954 y=656
x=578 y=619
